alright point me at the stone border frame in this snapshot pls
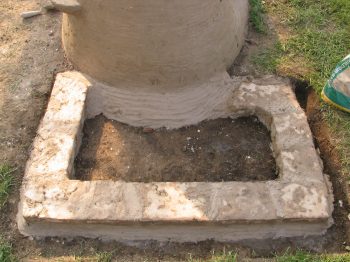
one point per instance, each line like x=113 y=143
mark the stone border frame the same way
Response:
x=298 y=203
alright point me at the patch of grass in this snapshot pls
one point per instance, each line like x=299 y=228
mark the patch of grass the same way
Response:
x=322 y=51
x=98 y=257
x=307 y=257
x=6 y=252
x=222 y=257
x=6 y=182
x=335 y=11
x=316 y=36
x=320 y=33
x=257 y=15
x=104 y=257
x=268 y=60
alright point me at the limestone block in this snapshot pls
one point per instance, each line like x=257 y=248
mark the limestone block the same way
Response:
x=67 y=6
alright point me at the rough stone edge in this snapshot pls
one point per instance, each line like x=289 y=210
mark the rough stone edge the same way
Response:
x=176 y=232
x=325 y=219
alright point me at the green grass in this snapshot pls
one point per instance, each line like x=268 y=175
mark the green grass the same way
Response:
x=6 y=252
x=98 y=257
x=269 y=59
x=6 y=182
x=257 y=15
x=307 y=257
x=221 y=257
x=298 y=256
x=104 y=257
x=316 y=38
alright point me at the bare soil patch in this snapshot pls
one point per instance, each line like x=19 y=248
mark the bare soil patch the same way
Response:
x=216 y=150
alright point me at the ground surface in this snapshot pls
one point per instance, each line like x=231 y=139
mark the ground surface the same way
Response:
x=213 y=151
x=31 y=54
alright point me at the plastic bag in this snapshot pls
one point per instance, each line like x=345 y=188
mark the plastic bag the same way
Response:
x=337 y=90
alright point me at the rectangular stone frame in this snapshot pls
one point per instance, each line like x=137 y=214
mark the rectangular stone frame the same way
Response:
x=298 y=203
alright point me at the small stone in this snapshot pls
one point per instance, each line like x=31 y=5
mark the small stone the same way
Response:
x=51 y=33
x=349 y=216
x=347 y=248
x=30 y=14
x=48 y=6
x=340 y=203
x=249 y=78
x=31 y=238
x=251 y=41
x=66 y=6
x=148 y=130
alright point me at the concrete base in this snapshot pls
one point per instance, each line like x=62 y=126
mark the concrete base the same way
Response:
x=299 y=203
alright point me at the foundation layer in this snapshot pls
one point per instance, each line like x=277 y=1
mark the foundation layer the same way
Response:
x=299 y=203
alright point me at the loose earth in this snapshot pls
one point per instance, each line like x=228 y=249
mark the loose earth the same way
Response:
x=213 y=151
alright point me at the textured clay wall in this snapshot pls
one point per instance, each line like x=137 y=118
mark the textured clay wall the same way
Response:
x=160 y=43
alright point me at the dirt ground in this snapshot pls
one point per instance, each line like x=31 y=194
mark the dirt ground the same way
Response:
x=237 y=150
x=30 y=56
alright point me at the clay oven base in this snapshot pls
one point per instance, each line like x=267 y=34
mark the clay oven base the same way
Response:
x=298 y=203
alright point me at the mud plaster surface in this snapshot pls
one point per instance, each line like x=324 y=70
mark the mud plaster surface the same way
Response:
x=157 y=45
x=215 y=151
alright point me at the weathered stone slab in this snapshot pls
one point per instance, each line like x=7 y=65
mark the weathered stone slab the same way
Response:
x=299 y=203
x=67 y=6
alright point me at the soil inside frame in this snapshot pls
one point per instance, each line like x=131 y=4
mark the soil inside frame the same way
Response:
x=213 y=151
